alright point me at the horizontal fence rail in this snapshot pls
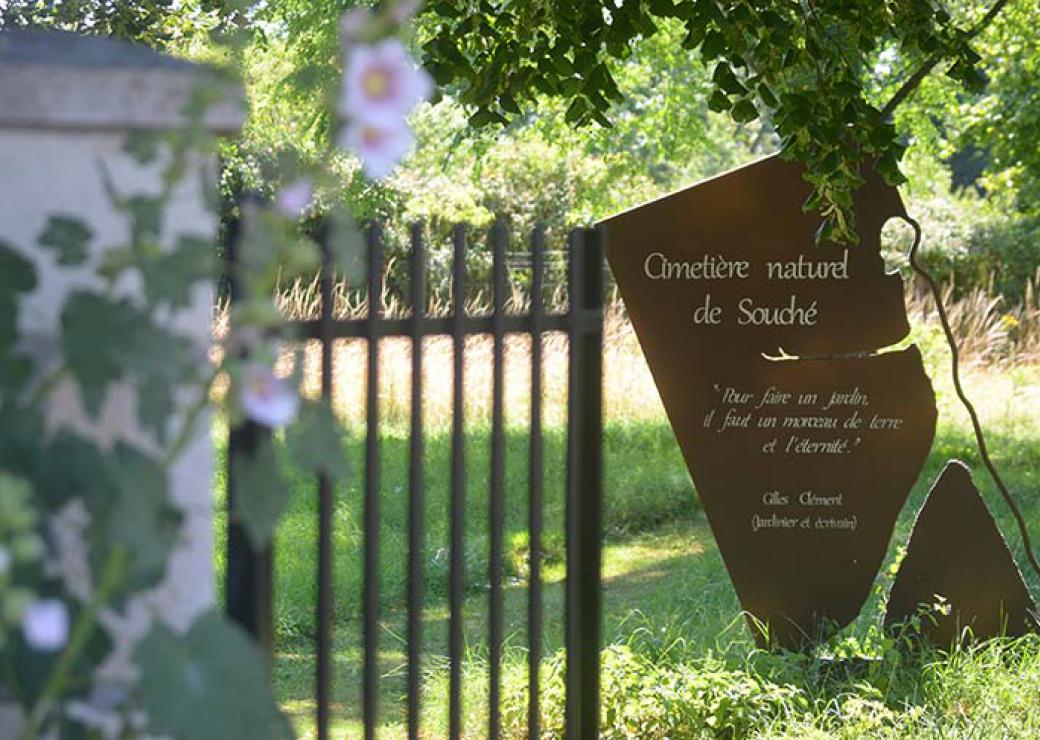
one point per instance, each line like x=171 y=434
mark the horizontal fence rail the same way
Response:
x=249 y=580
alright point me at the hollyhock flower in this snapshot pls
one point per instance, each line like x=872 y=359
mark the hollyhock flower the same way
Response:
x=294 y=198
x=266 y=398
x=381 y=84
x=379 y=147
x=45 y=625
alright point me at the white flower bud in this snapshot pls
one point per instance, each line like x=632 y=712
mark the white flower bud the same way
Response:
x=45 y=625
x=266 y=398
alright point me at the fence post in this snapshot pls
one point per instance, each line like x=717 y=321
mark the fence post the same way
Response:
x=249 y=579
x=585 y=500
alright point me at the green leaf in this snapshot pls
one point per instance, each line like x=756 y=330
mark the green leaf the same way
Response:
x=209 y=685
x=718 y=101
x=105 y=340
x=315 y=441
x=714 y=45
x=142 y=146
x=261 y=493
x=767 y=95
x=69 y=237
x=349 y=255
x=726 y=80
x=17 y=274
x=744 y=111
x=509 y=105
x=84 y=472
x=86 y=319
x=888 y=168
x=139 y=517
x=662 y=8
x=483 y=117
x=170 y=277
x=145 y=218
x=575 y=110
x=813 y=202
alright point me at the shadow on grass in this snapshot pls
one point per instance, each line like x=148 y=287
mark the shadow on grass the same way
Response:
x=666 y=592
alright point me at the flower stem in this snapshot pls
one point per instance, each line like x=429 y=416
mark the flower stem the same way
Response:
x=81 y=634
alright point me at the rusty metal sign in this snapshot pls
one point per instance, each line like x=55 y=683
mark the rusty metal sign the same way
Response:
x=958 y=576
x=803 y=440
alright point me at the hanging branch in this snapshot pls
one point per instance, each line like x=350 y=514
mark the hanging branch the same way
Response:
x=925 y=69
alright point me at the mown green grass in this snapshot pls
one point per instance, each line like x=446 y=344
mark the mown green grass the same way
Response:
x=671 y=617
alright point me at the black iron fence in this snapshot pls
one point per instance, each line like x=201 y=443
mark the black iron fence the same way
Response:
x=249 y=573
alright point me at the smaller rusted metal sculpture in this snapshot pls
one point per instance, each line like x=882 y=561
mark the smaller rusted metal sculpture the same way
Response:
x=958 y=559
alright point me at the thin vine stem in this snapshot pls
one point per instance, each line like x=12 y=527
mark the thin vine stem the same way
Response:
x=189 y=421
x=980 y=437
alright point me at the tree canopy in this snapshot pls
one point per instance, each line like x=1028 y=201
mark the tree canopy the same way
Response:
x=809 y=67
x=819 y=78
x=154 y=22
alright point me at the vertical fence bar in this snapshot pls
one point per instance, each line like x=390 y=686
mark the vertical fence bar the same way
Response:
x=585 y=499
x=323 y=678
x=497 y=508
x=534 y=502
x=416 y=484
x=572 y=635
x=370 y=595
x=248 y=583
x=456 y=576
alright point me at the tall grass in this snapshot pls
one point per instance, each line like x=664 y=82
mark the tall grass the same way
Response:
x=988 y=333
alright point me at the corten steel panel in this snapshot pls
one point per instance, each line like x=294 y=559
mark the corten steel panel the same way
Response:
x=956 y=551
x=803 y=580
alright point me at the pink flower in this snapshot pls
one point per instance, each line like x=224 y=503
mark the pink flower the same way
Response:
x=266 y=398
x=380 y=147
x=45 y=625
x=381 y=84
x=294 y=198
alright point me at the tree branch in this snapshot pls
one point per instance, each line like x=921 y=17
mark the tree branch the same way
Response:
x=929 y=64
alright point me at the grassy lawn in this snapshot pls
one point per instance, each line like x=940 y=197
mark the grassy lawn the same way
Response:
x=680 y=662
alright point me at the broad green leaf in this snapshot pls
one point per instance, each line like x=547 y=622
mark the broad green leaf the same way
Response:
x=146 y=219
x=69 y=237
x=134 y=347
x=140 y=517
x=83 y=473
x=210 y=684
x=21 y=429
x=714 y=45
x=93 y=363
x=125 y=493
x=767 y=95
x=315 y=441
x=170 y=277
x=143 y=146
x=261 y=492
x=744 y=111
x=727 y=80
x=718 y=101
x=17 y=274
x=347 y=243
